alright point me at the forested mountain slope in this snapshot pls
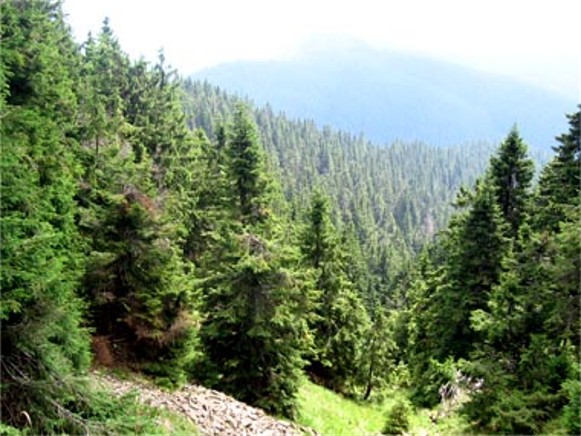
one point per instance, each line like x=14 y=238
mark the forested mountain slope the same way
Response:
x=263 y=250
x=396 y=197
x=395 y=96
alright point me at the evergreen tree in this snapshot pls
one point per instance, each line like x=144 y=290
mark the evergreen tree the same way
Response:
x=529 y=358
x=379 y=352
x=340 y=321
x=394 y=197
x=511 y=173
x=135 y=282
x=253 y=332
x=139 y=293
x=43 y=344
x=104 y=71
x=246 y=165
x=560 y=181
x=530 y=326
x=454 y=284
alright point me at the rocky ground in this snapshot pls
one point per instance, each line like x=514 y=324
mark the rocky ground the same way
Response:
x=213 y=412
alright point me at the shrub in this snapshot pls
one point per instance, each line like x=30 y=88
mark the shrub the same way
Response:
x=398 y=417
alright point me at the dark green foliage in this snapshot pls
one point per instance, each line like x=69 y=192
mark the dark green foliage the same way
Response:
x=136 y=283
x=474 y=268
x=209 y=201
x=246 y=166
x=253 y=333
x=532 y=334
x=452 y=285
x=112 y=210
x=394 y=198
x=502 y=405
x=532 y=329
x=340 y=322
x=571 y=418
x=103 y=82
x=483 y=294
x=560 y=183
x=42 y=340
x=141 y=299
x=77 y=208
x=511 y=173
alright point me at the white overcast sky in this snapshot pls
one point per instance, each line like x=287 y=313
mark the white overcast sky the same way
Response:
x=535 y=40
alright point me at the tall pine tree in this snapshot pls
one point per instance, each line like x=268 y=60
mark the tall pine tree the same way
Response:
x=340 y=321
x=253 y=332
x=511 y=173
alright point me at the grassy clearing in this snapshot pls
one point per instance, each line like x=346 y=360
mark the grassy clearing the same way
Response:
x=330 y=414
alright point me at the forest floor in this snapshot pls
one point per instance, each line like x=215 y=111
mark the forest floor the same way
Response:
x=321 y=412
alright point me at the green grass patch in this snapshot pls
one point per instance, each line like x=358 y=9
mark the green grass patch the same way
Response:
x=331 y=414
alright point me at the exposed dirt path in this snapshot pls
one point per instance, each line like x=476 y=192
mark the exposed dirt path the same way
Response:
x=213 y=412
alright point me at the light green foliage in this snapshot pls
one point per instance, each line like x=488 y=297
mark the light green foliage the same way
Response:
x=332 y=414
x=377 y=363
x=398 y=418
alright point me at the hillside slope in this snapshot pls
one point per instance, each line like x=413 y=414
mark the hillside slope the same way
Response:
x=393 y=96
x=395 y=198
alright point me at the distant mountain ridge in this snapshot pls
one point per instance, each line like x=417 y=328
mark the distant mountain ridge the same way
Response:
x=392 y=96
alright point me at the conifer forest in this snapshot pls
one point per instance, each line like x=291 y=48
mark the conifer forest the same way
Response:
x=158 y=225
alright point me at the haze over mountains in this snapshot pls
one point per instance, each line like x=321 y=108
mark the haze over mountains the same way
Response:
x=390 y=95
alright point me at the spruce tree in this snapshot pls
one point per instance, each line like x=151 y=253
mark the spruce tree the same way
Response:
x=136 y=282
x=455 y=283
x=529 y=358
x=560 y=181
x=511 y=173
x=340 y=321
x=44 y=346
x=475 y=248
x=379 y=352
x=253 y=332
x=246 y=166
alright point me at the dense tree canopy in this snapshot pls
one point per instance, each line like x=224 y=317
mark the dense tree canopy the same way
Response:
x=185 y=234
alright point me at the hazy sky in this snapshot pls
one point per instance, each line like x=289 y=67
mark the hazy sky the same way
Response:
x=536 y=40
